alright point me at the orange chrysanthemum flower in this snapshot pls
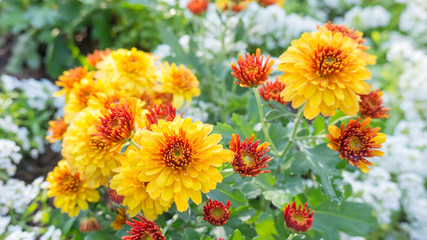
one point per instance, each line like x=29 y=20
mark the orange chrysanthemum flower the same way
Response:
x=355 y=142
x=156 y=98
x=198 y=6
x=161 y=112
x=57 y=129
x=216 y=213
x=97 y=56
x=249 y=158
x=179 y=81
x=266 y=3
x=299 y=220
x=144 y=230
x=179 y=160
x=89 y=225
x=326 y=71
x=70 y=190
x=372 y=105
x=116 y=124
x=355 y=35
x=120 y=219
x=271 y=91
x=67 y=80
x=252 y=72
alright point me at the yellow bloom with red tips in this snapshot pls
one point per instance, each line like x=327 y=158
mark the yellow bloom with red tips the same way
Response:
x=355 y=35
x=179 y=160
x=132 y=71
x=179 y=81
x=356 y=142
x=92 y=157
x=79 y=96
x=236 y=5
x=117 y=122
x=97 y=56
x=326 y=71
x=57 y=129
x=70 y=190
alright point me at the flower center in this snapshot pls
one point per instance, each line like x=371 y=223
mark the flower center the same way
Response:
x=328 y=62
x=217 y=212
x=298 y=217
x=248 y=159
x=145 y=236
x=70 y=183
x=177 y=153
x=356 y=143
x=98 y=144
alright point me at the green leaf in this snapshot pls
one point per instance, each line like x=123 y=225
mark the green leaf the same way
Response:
x=251 y=190
x=322 y=161
x=224 y=192
x=265 y=228
x=102 y=234
x=237 y=235
x=278 y=197
x=123 y=231
x=353 y=218
x=204 y=237
x=242 y=125
x=225 y=130
x=58 y=57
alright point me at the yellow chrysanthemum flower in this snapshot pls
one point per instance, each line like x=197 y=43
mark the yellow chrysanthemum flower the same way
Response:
x=179 y=81
x=79 y=96
x=71 y=192
x=132 y=71
x=70 y=77
x=92 y=157
x=127 y=184
x=179 y=160
x=326 y=71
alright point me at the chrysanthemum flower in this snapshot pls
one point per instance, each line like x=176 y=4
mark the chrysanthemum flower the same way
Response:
x=156 y=98
x=136 y=198
x=216 y=213
x=92 y=157
x=70 y=190
x=249 y=156
x=271 y=91
x=355 y=35
x=132 y=71
x=67 y=80
x=266 y=3
x=372 y=105
x=116 y=124
x=144 y=230
x=236 y=5
x=355 y=143
x=198 y=6
x=106 y=99
x=115 y=197
x=299 y=220
x=89 y=225
x=326 y=71
x=97 y=56
x=120 y=219
x=161 y=112
x=56 y=129
x=251 y=71
x=179 y=160
x=179 y=81
x=80 y=95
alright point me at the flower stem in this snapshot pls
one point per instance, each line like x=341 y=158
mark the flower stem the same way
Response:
x=292 y=235
x=133 y=143
x=294 y=131
x=261 y=118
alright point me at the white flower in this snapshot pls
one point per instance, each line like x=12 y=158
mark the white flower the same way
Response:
x=9 y=156
x=4 y=221
x=51 y=234
x=16 y=233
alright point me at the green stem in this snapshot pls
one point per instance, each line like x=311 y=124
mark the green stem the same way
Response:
x=133 y=143
x=310 y=137
x=261 y=118
x=294 y=131
x=292 y=235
